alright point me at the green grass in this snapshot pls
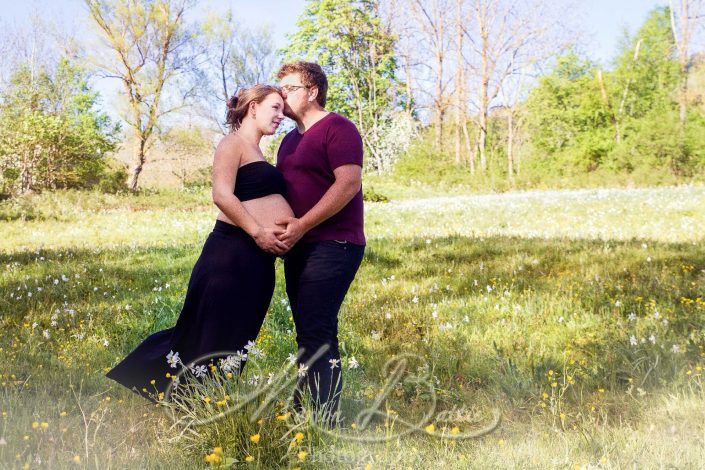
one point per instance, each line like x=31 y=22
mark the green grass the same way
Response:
x=524 y=302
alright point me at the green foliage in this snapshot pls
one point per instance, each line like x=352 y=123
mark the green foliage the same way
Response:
x=581 y=119
x=347 y=38
x=50 y=134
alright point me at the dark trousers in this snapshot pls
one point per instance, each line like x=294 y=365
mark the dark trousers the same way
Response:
x=318 y=276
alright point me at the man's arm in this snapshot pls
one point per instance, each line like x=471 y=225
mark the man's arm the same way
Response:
x=348 y=180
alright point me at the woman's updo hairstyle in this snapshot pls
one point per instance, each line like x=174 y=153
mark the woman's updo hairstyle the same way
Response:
x=239 y=104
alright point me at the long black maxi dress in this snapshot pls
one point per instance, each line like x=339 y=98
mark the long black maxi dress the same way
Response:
x=228 y=295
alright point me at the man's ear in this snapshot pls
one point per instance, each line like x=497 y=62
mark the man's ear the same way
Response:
x=312 y=94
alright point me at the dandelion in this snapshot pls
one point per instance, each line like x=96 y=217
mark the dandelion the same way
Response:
x=455 y=430
x=299 y=436
x=283 y=417
x=431 y=428
x=255 y=438
x=76 y=459
x=249 y=458
x=301 y=455
x=35 y=425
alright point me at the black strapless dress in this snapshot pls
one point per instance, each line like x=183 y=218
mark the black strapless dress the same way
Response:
x=228 y=295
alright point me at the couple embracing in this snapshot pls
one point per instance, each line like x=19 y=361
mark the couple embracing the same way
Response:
x=308 y=210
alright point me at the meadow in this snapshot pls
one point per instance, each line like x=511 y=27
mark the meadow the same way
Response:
x=577 y=315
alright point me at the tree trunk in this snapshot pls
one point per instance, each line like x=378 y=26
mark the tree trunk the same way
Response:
x=459 y=79
x=510 y=144
x=138 y=162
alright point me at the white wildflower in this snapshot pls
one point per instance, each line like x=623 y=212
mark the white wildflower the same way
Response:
x=229 y=364
x=173 y=359
x=352 y=363
x=334 y=363
x=303 y=368
x=199 y=371
x=632 y=340
x=254 y=380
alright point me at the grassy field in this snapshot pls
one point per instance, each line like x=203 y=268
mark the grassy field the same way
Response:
x=578 y=316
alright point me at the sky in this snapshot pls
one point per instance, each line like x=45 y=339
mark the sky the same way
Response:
x=602 y=21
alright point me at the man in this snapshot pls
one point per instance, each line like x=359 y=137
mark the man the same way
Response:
x=321 y=161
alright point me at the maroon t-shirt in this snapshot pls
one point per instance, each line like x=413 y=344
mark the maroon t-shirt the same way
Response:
x=307 y=162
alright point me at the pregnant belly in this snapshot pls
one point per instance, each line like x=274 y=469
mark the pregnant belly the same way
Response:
x=265 y=210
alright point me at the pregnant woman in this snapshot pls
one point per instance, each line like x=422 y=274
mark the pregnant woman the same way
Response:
x=232 y=282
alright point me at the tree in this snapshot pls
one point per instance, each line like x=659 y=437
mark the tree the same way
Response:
x=235 y=57
x=50 y=134
x=147 y=42
x=349 y=41
x=432 y=24
x=683 y=20
x=504 y=39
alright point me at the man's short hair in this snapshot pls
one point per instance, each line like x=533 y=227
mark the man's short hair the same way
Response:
x=311 y=75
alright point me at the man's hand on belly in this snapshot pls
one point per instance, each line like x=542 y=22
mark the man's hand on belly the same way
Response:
x=294 y=230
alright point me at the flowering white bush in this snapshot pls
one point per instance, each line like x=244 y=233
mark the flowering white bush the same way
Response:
x=389 y=141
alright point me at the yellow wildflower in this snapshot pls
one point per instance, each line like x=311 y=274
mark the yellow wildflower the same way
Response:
x=431 y=428
x=301 y=455
x=255 y=438
x=299 y=436
x=249 y=458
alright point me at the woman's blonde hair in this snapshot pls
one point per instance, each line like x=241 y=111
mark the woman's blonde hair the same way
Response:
x=239 y=103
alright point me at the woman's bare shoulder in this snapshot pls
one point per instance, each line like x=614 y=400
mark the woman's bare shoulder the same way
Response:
x=230 y=144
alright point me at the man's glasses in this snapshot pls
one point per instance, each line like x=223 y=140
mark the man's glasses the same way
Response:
x=290 y=88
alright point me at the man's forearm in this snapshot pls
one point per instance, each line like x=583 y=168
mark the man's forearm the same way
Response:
x=338 y=196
